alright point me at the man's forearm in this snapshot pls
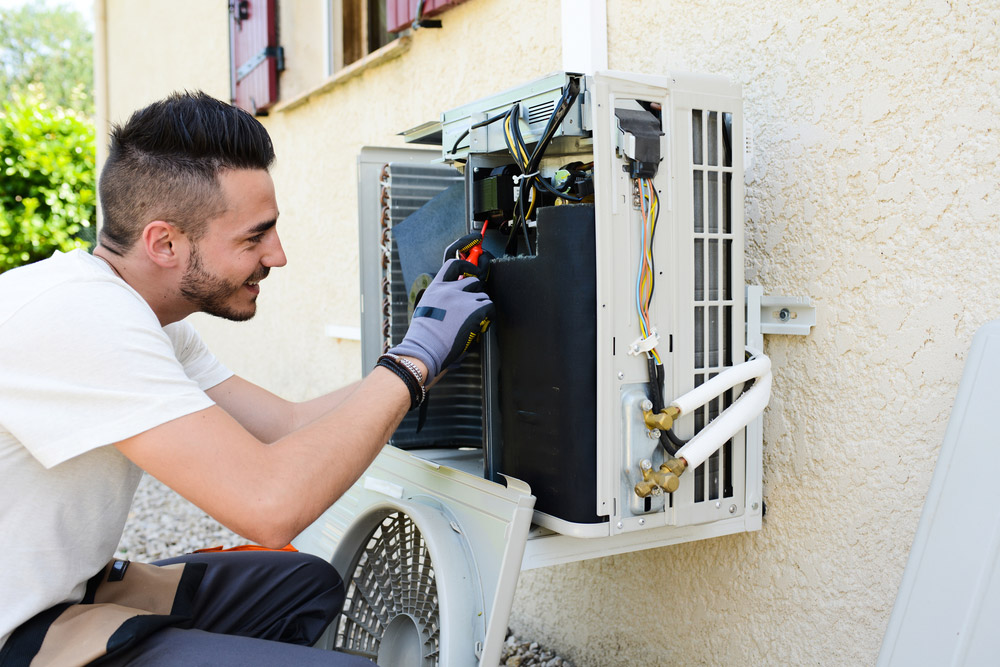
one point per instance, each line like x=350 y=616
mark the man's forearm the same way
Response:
x=270 y=492
x=306 y=412
x=267 y=416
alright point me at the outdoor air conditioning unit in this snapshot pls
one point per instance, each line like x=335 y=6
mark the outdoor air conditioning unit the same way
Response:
x=614 y=397
x=642 y=199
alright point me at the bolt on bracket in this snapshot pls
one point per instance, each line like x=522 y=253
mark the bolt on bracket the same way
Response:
x=785 y=315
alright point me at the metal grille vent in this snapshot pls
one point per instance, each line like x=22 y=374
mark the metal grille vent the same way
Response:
x=712 y=171
x=541 y=112
x=391 y=613
x=454 y=408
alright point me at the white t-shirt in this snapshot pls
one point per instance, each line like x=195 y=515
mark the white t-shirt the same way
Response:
x=84 y=363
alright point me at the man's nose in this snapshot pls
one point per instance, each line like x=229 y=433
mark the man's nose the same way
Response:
x=275 y=255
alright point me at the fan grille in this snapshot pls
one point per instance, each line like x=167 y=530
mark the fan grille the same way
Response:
x=393 y=577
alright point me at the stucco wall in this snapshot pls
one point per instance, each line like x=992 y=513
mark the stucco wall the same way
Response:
x=872 y=191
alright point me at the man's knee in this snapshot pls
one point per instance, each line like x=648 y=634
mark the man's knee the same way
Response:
x=324 y=578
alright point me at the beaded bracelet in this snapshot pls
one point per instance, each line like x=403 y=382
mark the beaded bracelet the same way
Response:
x=417 y=391
x=409 y=364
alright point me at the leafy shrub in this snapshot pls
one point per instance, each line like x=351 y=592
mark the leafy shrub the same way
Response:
x=47 y=179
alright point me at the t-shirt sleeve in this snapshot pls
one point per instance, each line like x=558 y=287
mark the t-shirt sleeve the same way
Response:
x=88 y=365
x=199 y=363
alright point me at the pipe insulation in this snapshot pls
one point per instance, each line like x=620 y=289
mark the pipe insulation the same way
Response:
x=734 y=418
x=758 y=366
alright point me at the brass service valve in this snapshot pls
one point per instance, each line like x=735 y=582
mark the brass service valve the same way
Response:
x=662 y=420
x=667 y=478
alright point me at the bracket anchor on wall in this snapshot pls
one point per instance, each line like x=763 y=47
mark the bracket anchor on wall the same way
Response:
x=785 y=315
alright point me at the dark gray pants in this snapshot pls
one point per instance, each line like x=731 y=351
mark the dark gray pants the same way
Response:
x=252 y=608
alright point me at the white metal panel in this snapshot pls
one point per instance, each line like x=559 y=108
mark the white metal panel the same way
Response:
x=948 y=607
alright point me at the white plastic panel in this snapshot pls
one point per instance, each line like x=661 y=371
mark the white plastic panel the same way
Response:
x=948 y=607
x=475 y=531
x=698 y=302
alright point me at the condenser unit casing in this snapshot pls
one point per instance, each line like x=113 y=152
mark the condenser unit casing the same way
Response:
x=554 y=395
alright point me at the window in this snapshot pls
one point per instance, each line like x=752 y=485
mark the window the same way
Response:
x=359 y=27
x=356 y=28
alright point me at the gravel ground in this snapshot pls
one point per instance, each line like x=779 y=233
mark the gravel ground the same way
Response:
x=161 y=524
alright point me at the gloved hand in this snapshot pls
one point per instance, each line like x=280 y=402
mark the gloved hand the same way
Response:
x=448 y=318
x=470 y=248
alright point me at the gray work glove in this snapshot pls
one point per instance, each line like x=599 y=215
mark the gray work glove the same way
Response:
x=448 y=318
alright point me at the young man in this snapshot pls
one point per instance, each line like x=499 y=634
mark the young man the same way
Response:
x=101 y=378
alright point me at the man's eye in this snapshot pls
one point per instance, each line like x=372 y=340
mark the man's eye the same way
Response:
x=256 y=238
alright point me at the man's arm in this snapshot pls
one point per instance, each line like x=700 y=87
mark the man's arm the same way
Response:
x=270 y=493
x=267 y=416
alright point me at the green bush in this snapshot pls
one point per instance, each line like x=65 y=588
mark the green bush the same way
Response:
x=47 y=179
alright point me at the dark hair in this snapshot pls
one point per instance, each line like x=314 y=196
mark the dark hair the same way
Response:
x=164 y=162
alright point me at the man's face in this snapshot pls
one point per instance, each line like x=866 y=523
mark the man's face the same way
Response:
x=238 y=249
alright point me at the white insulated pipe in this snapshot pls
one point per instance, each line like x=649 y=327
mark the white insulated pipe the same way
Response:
x=747 y=407
x=757 y=366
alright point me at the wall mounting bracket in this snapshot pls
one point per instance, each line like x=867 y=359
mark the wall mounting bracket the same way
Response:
x=785 y=315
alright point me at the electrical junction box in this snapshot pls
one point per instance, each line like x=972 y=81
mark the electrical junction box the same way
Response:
x=613 y=204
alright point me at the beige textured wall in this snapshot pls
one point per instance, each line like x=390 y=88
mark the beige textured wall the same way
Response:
x=154 y=49
x=873 y=191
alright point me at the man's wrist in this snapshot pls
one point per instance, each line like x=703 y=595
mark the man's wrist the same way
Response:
x=418 y=367
x=407 y=371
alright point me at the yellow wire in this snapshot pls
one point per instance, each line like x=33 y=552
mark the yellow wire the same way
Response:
x=648 y=215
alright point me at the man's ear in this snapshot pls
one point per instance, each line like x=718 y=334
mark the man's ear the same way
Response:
x=165 y=245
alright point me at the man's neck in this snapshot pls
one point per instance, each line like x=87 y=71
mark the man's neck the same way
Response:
x=104 y=254
x=148 y=281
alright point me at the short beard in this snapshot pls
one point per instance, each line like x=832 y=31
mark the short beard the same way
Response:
x=210 y=293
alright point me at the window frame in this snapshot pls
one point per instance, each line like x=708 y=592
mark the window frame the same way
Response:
x=336 y=46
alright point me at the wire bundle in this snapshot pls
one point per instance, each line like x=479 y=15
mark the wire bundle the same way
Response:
x=649 y=207
x=645 y=280
x=531 y=183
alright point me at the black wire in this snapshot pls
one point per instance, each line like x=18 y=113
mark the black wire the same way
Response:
x=668 y=439
x=656 y=394
x=562 y=108
x=672 y=438
x=562 y=195
x=454 y=149
x=565 y=103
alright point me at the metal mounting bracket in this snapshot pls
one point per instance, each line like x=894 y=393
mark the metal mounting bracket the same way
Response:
x=785 y=315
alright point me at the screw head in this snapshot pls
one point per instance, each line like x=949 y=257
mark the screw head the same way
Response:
x=621 y=375
x=619 y=525
x=653 y=434
x=645 y=464
x=732 y=509
x=642 y=522
x=646 y=404
x=755 y=507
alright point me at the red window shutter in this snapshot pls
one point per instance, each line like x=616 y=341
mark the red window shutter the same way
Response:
x=399 y=14
x=256 y=56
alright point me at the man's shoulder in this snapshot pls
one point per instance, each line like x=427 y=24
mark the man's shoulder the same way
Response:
x=66 y=280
